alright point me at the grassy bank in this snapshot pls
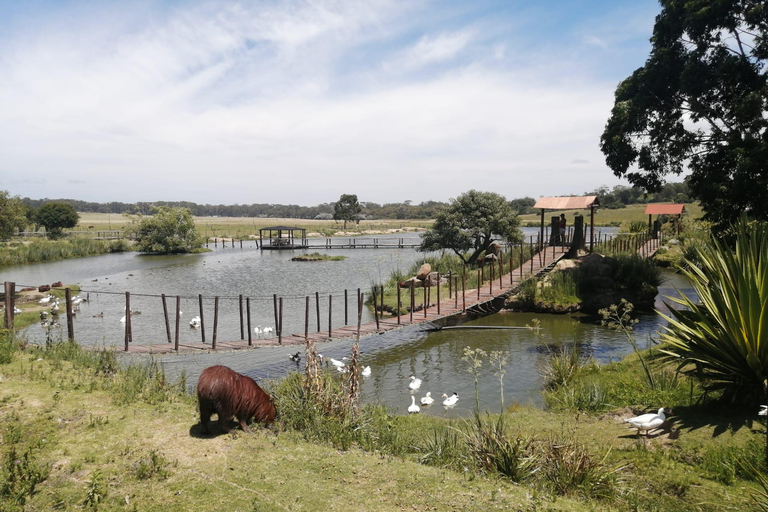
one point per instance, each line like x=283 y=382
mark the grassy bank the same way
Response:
x=80 y=433
x=19 y=252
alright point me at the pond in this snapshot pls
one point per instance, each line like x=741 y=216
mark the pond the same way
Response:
x=434 y=357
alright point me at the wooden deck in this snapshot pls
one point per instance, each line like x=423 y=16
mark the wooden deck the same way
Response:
x=448 y=307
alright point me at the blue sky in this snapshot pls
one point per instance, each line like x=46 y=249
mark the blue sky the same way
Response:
x=299 y=102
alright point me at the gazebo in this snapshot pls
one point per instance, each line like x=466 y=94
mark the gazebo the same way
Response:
x=664 y=209
x=282 y=238
x=569 y=203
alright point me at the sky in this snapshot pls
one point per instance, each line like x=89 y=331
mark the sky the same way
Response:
x=298 y=102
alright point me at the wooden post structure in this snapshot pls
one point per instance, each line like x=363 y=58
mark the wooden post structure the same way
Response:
x=330 y=318
x=346 y=307
x=479 y=282
x=128 y=333
x=456 y=292
x=167 y=320
x=375 y=307
x=202 y=318
x=280 y=324
x=398 y=304
x=274 y=305
x=215 y=321
x=10 y=292
x=501 y=270
x=306 y=319
x=317 y=307
x=248 y=316
x=491 y=278
x=242 y=323
x=450 y=283
x=438 y=293
x=381 y=302
x=424 y=298
x=413 y=302
x=591 y=226
x=541 y=231
x=178 y=320
x=70 y=314
x=463 y=293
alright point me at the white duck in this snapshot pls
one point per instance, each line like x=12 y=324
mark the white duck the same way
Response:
x=413 y=408
x=649 y=421
x=195 y=322
x=337 y=363
x=257 y=330
x=268 y=331
x=427 y=400
x=450 y=401
x=415 y=383
x=763 y=410
x=366 y=371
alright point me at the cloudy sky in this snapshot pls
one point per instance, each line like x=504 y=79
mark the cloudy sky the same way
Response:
x=301 y=101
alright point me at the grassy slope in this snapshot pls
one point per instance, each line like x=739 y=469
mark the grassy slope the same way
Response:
x=85 y=433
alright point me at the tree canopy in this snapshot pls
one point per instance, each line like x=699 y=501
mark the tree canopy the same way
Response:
x=699 y=104
x=347 y=208
x=12 y=215
x=471 y=222
x=168 y=231
x=55 y=217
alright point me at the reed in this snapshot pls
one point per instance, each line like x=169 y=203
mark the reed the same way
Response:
x=53 y=250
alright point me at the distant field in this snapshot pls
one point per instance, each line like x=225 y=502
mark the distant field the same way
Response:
x=604 y=216
x=244 y=226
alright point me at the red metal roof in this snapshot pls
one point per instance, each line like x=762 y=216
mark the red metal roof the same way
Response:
x=664 y=209
x=567 y=203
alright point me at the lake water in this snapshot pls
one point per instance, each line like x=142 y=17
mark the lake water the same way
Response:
x=433 y=357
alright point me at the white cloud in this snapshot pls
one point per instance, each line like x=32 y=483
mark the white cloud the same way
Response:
x=430 y=50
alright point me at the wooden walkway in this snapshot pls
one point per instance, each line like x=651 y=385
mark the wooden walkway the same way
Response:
x=474 y=299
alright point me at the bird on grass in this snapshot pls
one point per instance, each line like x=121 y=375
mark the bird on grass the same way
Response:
x=413 y=408
x=415 y=383
x=450 y=401
x=650 y=421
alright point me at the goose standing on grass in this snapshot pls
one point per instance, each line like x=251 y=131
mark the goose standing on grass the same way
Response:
x=450 y=401
x=763 y=410
x=649 y=421
x=366 y=371
x=413 y=408
x=415 y=383
x=427 y=400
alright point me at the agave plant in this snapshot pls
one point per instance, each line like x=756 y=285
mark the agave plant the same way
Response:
x=723 y=337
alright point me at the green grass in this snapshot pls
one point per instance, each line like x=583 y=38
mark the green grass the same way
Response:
x=83 y=434
x=316 y=256
x=19 y=253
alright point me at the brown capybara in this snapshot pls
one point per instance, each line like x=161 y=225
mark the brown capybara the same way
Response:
x=228 y=393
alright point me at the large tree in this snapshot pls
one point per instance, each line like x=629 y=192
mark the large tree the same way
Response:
x=470 y=223
x=55 y=217
x=170 y=230
x=12 y=217
x=699 y=104
x=347 y=208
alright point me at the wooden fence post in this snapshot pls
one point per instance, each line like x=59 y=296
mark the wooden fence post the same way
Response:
x=274 y=304
x=167 y=320
x=438 y=293
x=248 y=316
x=398 y=304
x=346 y=307
x=215 y=321
x=330 y=317
x=70 y=314
x=463 y=292
x=178 y=319
x=10 y=292
x=202 y=317
x=242 y=324
x=375 y=312
x=317 y=307
x=280 y=327
x=413 y=302
x=306 y=319
x=127 y=319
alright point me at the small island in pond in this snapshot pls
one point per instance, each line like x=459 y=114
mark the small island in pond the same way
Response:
x=316 y=256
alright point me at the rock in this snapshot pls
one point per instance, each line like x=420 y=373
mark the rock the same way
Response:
x=413 y=282
x=57 y=284
x=489 y=258
x=495 y=248
x=44 y=288
x=28 y=289
x=431 y=279
x=424 y=271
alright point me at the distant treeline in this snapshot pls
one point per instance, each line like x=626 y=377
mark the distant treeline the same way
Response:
x=618 y=197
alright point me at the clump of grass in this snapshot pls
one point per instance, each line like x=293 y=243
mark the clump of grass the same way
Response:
x=567 y=467
x=154 y=465
x=54 y=250
x=498 y=452
x=316 y=256
x=562 y=367
x=560 y=289
x=95 y=491
x=443 y=447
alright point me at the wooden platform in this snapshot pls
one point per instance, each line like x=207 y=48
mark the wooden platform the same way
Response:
x=447 y=307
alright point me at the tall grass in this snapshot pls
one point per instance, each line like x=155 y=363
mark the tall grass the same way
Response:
x=50 y=250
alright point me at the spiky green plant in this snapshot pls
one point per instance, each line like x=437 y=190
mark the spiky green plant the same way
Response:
x=722 y=338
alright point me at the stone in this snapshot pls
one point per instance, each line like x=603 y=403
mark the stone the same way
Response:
x=413 y=282
x=431 y=279
x=495 y=248
x=424 y=271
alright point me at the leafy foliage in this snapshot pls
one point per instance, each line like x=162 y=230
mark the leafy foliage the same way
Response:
x=11 y=215
x=472 y=222
x=347 y=208
x=168 y=231
x=55 y=217
x=699 y=102
x=722 y=338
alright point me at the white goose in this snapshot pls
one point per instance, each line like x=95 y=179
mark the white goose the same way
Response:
x=195 y=322
x=257 y=330
x=427 y=400
x=413 y=408
x=337 y=363
x=415 y=383
x=450 y=401
x=650 y=421
x=268 y=331
x=763 y=410
x=366 y=371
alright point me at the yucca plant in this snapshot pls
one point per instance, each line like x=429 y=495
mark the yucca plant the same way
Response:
x=722 y=339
